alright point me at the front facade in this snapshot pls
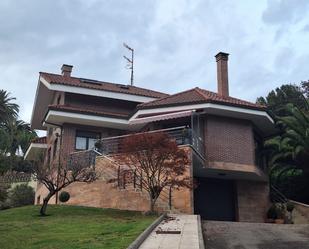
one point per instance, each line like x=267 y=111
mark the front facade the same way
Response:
x=222 y=136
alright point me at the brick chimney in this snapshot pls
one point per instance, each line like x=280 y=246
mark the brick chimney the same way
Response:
x=66 y=70
x=222 y=74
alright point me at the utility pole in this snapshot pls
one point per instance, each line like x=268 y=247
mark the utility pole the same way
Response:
x=130 y=62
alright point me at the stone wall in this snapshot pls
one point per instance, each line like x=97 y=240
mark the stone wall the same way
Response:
x=40 y=193
x=106 y=195
x=300 y=213
x=252 y=200
x=103 y=194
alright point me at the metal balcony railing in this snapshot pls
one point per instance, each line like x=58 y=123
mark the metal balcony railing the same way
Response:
x=182 y=135
x=82 y=159
x=276 y=195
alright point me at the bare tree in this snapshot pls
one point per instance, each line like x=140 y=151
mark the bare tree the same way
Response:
x=157 y=160
x=80 y=168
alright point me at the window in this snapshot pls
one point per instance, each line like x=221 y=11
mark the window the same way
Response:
x=85 y=140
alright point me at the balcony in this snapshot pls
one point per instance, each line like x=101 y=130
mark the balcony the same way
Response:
x=182 y=135
x=82 y=159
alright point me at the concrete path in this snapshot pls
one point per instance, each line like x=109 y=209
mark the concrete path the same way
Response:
x=241 y=235
x=187 y=239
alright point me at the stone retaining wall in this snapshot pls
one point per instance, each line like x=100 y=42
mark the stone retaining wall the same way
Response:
x=252 y=200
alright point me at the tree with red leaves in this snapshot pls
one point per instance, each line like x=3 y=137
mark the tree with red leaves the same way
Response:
x=157 y=160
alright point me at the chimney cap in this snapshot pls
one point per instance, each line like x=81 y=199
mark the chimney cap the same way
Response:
x=66 y=70
x=66 y=67
x=222 y=56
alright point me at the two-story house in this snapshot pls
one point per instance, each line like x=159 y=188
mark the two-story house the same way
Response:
x=222 y=135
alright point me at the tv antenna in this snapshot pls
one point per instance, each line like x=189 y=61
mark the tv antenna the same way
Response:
x=130 y=62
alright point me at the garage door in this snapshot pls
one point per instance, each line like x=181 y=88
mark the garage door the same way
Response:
x=214 y=199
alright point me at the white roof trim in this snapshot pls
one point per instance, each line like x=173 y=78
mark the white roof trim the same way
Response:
x=35 y=146
x=159 y=117
x=85 y=117
x=95 y=92
x=202 y=106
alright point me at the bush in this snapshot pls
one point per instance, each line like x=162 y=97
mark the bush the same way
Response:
x=290 y=206
x=21 y=195
x=4 y=205
x=98 y=145
x=280 y=209
x=64 y=196
x=3 y=196
x=3 y=192
x=272 y=212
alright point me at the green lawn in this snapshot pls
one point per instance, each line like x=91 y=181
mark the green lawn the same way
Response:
x=70 y=227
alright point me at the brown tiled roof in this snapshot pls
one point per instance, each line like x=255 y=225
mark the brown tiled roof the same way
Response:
x=100 y=85
x=86 y=111
x=39 y=140
x=198 y=96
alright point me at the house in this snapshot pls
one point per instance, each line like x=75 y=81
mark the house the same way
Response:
x=221 y=134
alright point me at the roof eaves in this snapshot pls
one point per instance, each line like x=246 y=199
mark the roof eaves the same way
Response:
x=99 y=84
x=82 y=111
x=205 y=101
x=161 y=99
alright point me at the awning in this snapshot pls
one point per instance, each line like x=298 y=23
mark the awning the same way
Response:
x=160 y=117
x=35 y=150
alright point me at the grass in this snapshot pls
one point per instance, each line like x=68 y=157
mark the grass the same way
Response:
x=70 y=227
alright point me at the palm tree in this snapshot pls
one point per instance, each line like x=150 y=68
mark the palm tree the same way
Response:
x=16 y=134
x=291 y=149
x=7 y=108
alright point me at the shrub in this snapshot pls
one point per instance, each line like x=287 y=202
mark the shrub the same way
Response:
x=280 y=210
x=290 y=206
x=64 y=196
x=4 y=204
x=21 y=195
x=3 y=192
x=272 y=212
x=98 y=145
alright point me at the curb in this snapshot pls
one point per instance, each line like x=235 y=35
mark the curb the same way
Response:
x=200 y=233
x=141 y=238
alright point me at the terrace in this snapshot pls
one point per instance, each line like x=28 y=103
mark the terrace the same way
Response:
x=183 y=135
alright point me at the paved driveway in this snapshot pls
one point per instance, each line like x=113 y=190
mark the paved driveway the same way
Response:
x=188 y=238
x=241 y=235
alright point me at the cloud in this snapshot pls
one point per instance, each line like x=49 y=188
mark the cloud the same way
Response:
x=306 y=28
x=175 y=43
x=285 y=11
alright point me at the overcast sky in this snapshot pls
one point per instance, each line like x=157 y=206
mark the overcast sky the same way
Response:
x=175 y=43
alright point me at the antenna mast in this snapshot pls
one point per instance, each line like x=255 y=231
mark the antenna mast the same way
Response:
x=130 y=62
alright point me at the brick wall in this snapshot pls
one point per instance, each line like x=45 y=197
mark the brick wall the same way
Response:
x=229 y=140
x=99 y=104
x=68 y=139
x=252 y=200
